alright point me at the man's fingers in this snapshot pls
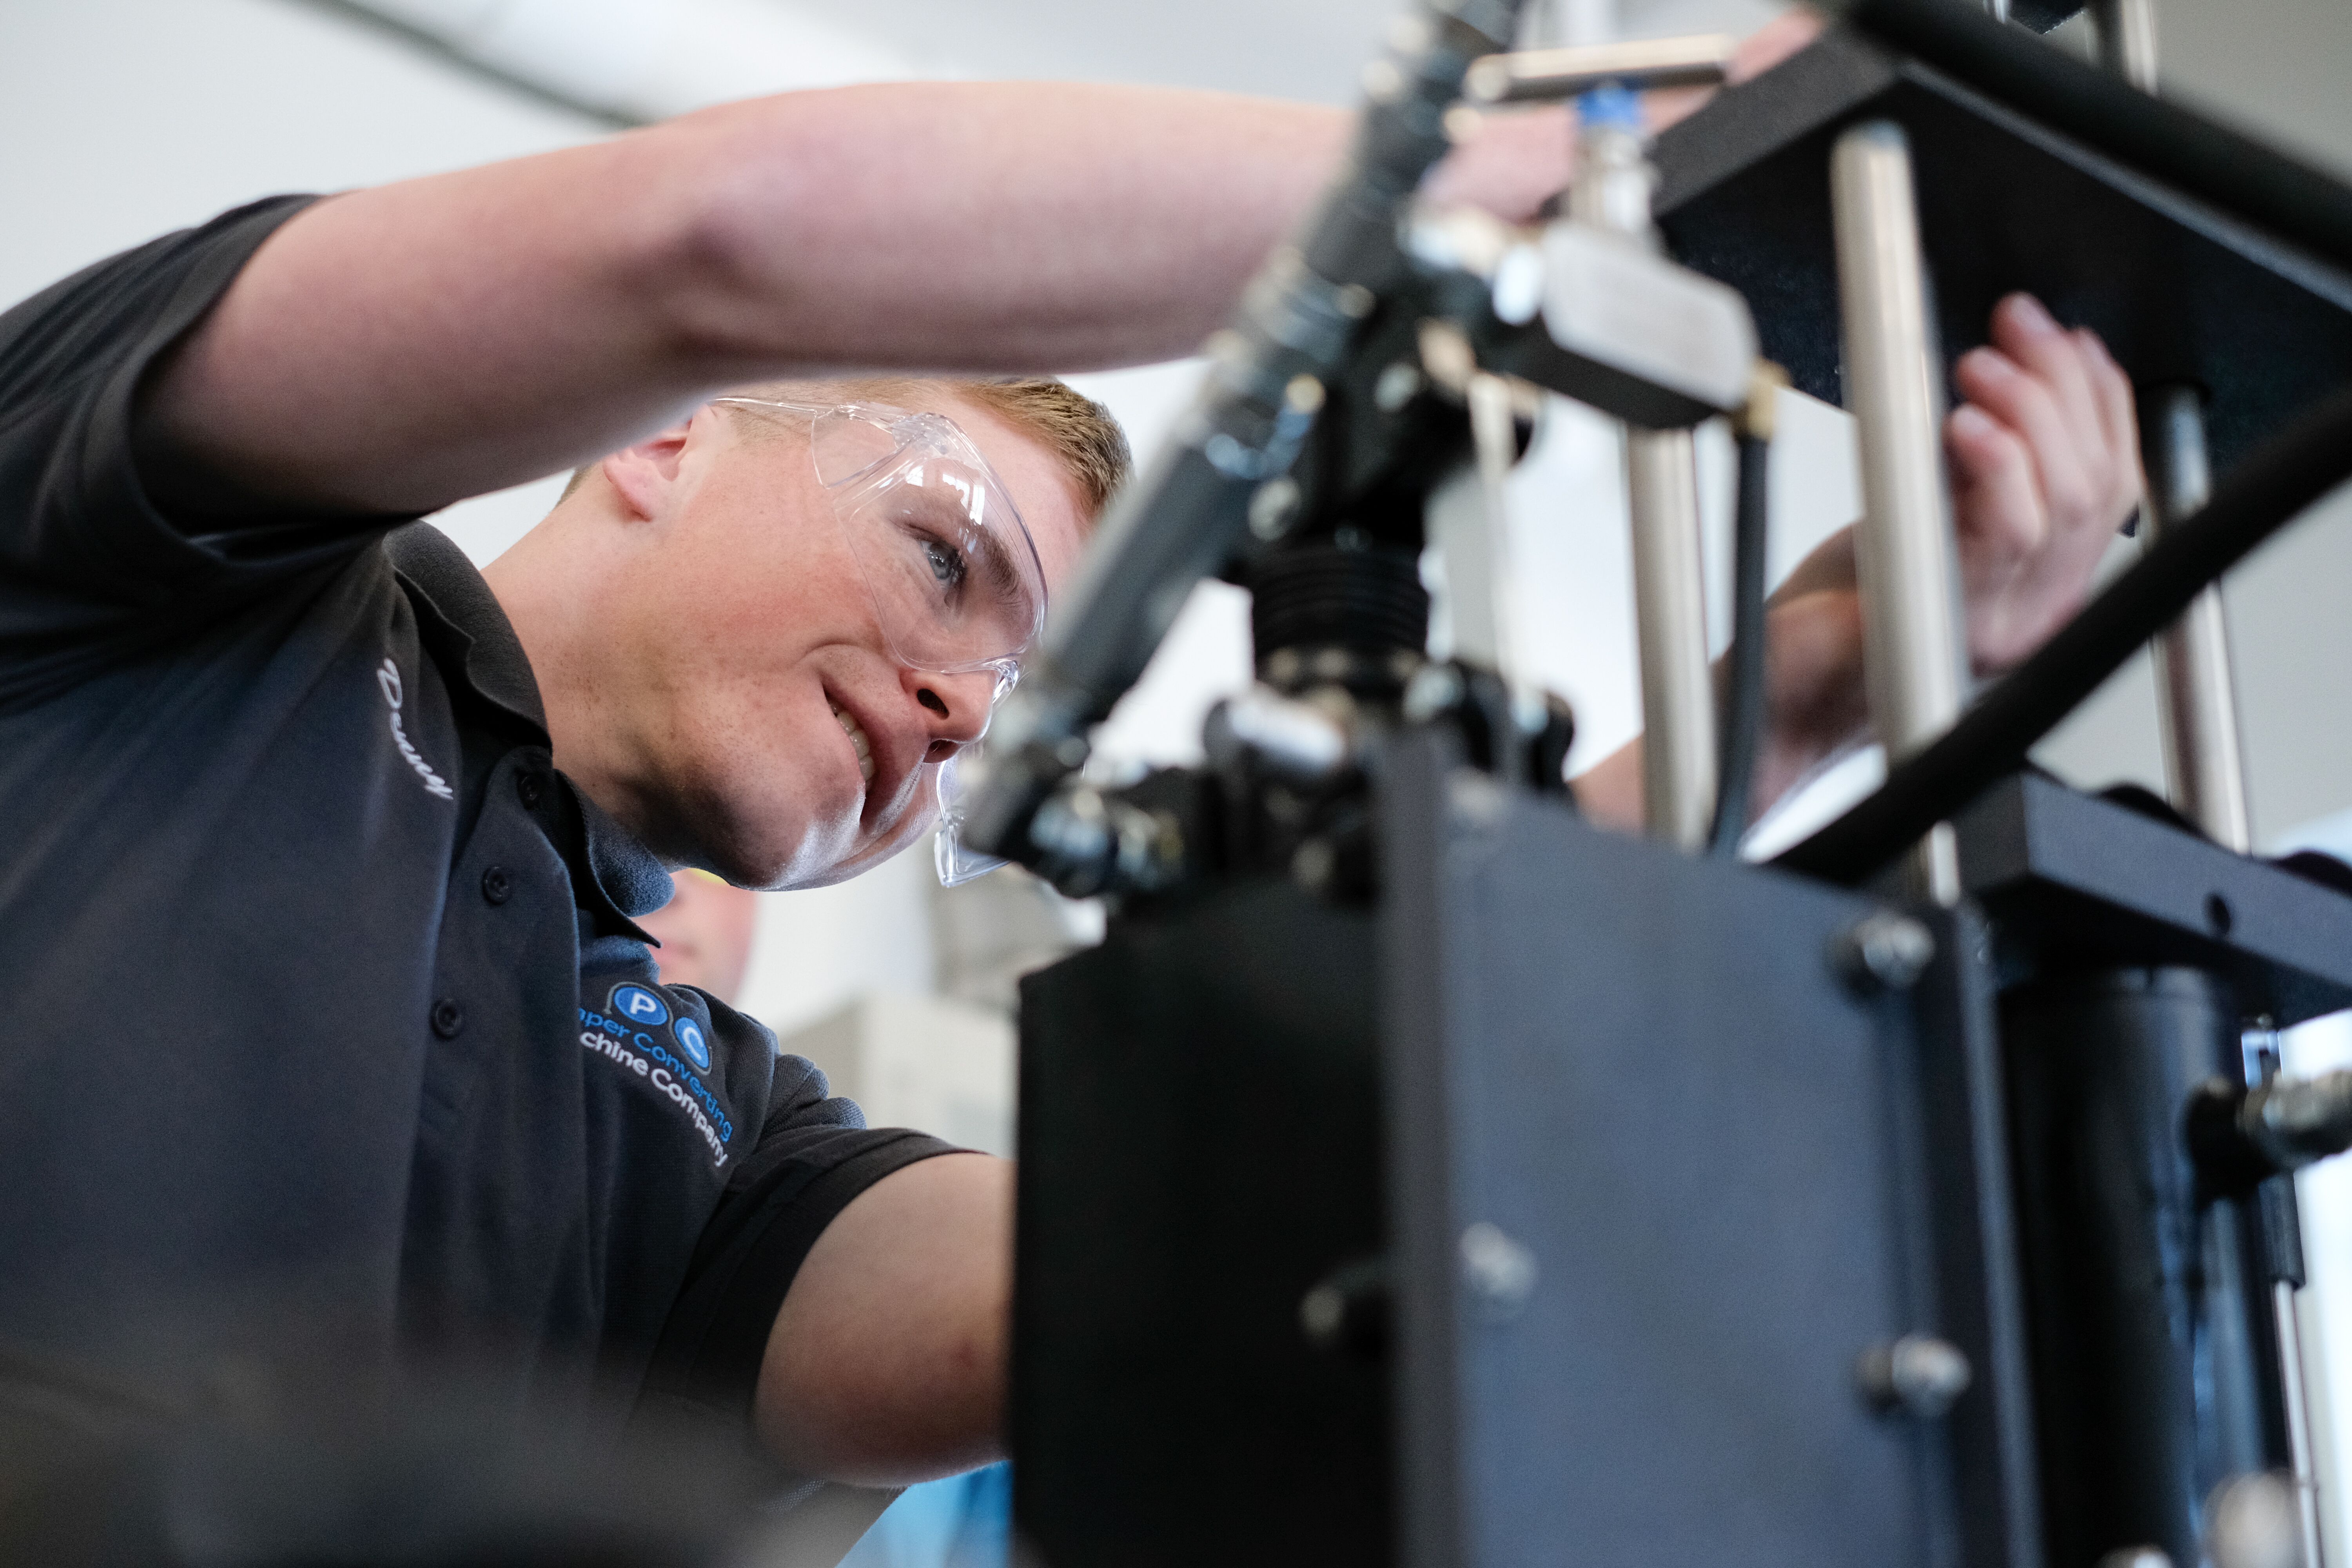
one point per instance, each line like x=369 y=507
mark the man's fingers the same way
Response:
x=2027 y=405
x=1996 y=483
x=2030 y=337
x=2117 y=412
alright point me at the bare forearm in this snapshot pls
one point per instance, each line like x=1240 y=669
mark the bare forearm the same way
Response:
x=1813 y=704
x=886 y=1363
x=396 y=348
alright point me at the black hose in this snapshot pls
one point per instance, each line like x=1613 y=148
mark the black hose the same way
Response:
x=2262 y=495
x=1743 y=694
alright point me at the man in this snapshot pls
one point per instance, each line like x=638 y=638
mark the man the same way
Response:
x=444 y=1102
x=702 y=937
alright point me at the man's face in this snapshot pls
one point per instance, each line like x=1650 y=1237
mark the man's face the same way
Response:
x=774 y=738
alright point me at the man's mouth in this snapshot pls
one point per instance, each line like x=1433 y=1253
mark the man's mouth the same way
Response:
x=858 y=738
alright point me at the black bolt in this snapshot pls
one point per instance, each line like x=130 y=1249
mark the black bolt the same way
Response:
x=449 y=1019
x=530 y=786
x=497 y=886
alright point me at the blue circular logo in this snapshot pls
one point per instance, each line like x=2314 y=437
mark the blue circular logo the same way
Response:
x=636 y=1004
x=690 y=1041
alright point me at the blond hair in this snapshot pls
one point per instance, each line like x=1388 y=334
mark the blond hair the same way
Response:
x=1080 y=432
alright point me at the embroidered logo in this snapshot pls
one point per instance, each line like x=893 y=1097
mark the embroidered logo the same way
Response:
x=387 y=675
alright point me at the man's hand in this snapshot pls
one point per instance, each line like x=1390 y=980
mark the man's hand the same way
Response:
x=2044 y=461
x=886 y=1364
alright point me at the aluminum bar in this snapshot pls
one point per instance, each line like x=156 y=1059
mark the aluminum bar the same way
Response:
x=1913 y=633
x=1540 y=75
x=1612 y=193
x=1678 y=740
x=2127 y=40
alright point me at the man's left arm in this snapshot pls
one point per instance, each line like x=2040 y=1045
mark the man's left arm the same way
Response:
x=887 y=1361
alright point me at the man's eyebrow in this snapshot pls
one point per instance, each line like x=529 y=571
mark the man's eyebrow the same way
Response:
x=996 y=564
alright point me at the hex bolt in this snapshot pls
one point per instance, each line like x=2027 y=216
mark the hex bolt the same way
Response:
x=1883 y=951
x=1499 y=1273
x=1918 y=1374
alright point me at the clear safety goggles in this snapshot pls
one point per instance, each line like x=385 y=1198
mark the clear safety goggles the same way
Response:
x=954 y=576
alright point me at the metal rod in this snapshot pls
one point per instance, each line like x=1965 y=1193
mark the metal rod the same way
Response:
x=2289 y=1328
x=2197 y=699
x=1474 y=541
x=2127 y=40
x=1678 y=740
x=1540 y=75
x=1903 y=546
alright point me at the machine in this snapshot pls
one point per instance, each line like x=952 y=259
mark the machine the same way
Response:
x=1419 y=1175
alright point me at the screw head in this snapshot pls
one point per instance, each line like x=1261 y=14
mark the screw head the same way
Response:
x=1918 y=1374
x=1885 y=951
x=1497 y=1271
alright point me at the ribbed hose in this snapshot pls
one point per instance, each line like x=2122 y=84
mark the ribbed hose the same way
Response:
x=2261 y=496
x=1743 y=696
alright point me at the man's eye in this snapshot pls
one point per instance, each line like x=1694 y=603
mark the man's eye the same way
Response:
x=946 y=561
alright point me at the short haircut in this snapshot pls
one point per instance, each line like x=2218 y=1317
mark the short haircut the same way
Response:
x=1077 y=429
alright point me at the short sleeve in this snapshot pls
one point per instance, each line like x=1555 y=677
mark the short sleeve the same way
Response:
x=814 y=1154
x=85 y=554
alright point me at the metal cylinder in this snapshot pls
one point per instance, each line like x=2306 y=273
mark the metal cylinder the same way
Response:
x=2148 y=1315
x=2197 y=700
x=2127 y=40
x=1678 y=740
x=1913 y=632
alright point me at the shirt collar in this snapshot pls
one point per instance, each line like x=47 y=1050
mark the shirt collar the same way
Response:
x=495 y=664
x=624 y=876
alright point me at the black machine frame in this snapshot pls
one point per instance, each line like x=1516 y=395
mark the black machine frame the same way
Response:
x=1419 y=1175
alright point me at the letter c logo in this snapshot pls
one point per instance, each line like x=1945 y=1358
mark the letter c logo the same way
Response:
x=690 y=1039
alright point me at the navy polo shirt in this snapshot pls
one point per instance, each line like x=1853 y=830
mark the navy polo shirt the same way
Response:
x=326 y=1036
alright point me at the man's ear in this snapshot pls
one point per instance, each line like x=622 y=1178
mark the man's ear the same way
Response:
x=646 y=475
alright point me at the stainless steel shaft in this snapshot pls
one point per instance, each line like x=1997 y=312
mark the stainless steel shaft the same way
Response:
x=1914 y=647
x=1678 y=740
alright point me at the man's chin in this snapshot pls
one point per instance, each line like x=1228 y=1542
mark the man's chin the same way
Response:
x=822 y=856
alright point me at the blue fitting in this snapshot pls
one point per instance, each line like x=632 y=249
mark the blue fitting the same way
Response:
x=1613 y=105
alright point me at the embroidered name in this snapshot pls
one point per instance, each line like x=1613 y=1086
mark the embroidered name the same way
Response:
x=388 y=677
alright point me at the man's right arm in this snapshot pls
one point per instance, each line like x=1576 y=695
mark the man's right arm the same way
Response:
x=394 y=349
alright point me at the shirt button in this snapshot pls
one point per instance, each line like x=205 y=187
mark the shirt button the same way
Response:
x=530 y=786
x=497 y=886
x=447 y=1018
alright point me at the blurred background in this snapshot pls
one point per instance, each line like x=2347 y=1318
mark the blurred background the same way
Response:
x=127 y=118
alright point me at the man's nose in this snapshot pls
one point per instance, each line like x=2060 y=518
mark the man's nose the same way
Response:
x=955 y=707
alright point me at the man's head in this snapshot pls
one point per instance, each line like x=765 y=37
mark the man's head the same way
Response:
x=715 y=671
